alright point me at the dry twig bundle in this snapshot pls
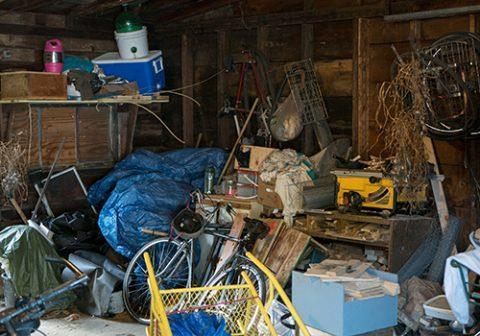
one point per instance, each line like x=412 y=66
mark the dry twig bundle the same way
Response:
x=13 y=172
x=401 y=116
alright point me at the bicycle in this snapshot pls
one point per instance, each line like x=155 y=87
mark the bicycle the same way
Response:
x=172 y=260
x=25 y=319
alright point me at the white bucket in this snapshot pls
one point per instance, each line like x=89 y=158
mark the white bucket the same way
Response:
x=133 y=44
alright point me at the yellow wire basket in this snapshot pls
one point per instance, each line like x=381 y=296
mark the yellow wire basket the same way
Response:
x=239 y=305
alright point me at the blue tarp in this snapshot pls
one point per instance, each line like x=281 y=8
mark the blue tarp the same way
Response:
x=197 y=324
x=146 y=190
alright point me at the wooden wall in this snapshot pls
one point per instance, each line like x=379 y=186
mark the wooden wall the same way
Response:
x=22 y=36
x=328 y=44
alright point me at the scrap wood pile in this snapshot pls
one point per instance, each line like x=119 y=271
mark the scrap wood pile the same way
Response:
x=353 y=274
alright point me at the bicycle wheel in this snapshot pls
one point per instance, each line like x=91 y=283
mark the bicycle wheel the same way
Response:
x=232 y=276
x=172 y=263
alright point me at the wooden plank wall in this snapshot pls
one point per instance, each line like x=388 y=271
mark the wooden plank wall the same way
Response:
x=22 y=37
x=332 y=54
x=374 y=55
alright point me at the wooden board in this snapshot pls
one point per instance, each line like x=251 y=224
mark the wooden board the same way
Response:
x=335 y=77
x=286 y=252
x=33 y=85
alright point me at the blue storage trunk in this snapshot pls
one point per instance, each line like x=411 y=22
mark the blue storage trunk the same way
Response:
x=322 y=305
x=148 y=71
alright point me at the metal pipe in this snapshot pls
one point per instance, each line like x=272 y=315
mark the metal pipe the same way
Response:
x=435 y=13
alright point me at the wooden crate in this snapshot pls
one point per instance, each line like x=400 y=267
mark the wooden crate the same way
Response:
x=33 y=85
x=404 y=233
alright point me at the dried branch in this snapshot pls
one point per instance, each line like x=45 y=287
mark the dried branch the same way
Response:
x=401 y=118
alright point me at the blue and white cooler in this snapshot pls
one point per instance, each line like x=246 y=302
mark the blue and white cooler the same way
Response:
x=147 y=71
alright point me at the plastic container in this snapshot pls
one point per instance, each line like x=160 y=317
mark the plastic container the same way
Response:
x=53 y=56
x=148 y=72
x=133 y=44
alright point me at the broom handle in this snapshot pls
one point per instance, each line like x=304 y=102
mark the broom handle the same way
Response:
x=234 y=148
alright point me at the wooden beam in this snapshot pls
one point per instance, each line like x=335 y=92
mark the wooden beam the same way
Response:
x=190 y=10
x=360 y=110
x=99 y=7
x=187 y=79
x=278 y=19
x=224 y=124
x=308 y=139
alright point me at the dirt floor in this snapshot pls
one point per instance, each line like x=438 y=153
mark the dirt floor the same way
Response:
x=91 y=326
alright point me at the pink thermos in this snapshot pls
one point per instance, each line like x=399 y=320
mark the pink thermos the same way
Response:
x=53 y=56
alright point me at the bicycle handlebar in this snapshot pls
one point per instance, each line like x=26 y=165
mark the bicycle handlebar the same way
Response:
x=39 y=303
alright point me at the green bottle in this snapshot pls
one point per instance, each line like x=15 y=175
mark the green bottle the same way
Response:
x=127 y=22
x=209 y=180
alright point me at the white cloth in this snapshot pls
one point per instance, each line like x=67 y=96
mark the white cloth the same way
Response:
x=455 y=288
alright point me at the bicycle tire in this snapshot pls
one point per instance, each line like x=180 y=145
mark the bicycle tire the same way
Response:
x=253 y=272
x=135 y=280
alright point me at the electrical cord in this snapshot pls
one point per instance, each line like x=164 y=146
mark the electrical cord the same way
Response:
x=160 y=120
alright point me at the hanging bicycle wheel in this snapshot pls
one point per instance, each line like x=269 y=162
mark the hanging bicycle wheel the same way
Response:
x=172 y=263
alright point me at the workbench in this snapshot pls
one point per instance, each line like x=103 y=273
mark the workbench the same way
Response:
x=399 y=236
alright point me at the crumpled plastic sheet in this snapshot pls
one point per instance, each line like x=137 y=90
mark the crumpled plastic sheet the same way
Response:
x=23 y=250
x=197 y=324
x=146 y=190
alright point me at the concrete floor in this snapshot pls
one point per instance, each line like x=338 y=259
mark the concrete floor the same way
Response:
x=90 y=326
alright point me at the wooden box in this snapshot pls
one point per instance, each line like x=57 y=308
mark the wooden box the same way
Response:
x=33 y=86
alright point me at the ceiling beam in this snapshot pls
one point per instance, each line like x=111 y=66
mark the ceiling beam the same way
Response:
x=280 y=19
x=199 y=7
x=100 y=7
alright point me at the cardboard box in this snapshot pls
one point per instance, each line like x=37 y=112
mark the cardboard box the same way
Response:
x=267 y=196
x=33 y=85
x=322 y=305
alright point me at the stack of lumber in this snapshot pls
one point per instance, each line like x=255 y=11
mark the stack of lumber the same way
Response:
x=353 y=275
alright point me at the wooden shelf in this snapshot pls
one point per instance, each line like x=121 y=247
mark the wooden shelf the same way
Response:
x=405 y=233
x=342 y=238
x=159 y=100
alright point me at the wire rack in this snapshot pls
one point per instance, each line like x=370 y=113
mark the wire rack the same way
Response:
x=306 y=91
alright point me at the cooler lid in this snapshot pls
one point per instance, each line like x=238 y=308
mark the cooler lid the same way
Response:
x=114 y=58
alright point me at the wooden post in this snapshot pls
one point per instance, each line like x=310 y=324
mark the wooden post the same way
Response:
x=224 y=124
x=308 y=141
x=187 y=79
x=360 y=110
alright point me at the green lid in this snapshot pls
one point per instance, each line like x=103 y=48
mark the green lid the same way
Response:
x=127 y=22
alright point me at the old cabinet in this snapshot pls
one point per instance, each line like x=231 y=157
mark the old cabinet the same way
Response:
x=399 y=236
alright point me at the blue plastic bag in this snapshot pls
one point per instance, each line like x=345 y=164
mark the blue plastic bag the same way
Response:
x=146 y=190
x=197 y=324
